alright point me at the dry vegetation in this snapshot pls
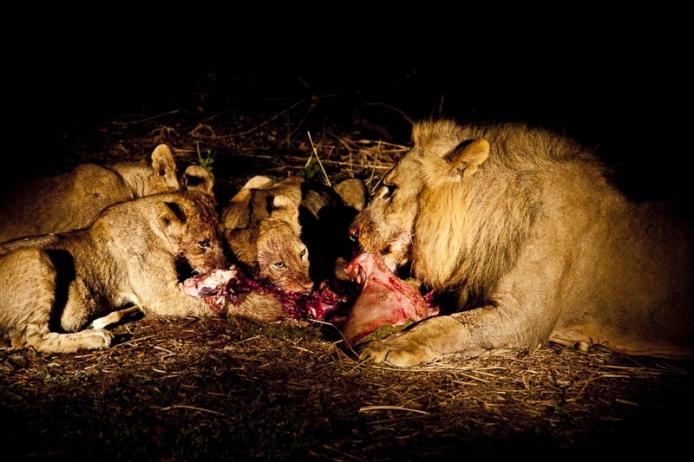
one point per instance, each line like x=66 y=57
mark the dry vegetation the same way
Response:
x=227 y=389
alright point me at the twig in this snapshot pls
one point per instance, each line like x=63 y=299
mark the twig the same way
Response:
x=214 y=116
x=393 y=108
x=295 y=158
x=199 y=128
x=192 y=408
x=262 y=124
x=391 y=408
x=320 y=164
x=166 y=350
x=248 y=339
x=371 y=177
x=396 y=147
x=356 y=355
x=343 y=454
x=470 y=376
x=147 y=337
x=154 y=117
x=298 y=126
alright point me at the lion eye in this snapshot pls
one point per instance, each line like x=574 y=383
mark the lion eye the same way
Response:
x=278 y=265
x=390 y=190
x=205 y=244
x=302 y=253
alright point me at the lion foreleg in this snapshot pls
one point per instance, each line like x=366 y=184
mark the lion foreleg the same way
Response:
x=469 y=333
x=426 y=341
x=158 y=291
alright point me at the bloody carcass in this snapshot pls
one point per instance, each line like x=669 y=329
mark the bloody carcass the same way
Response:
x=384 y=300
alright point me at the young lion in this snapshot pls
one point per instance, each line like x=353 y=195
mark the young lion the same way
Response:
x=53 y=286
x=261 y=227
x=275 y=227
x=72 y=200
x=523 y=226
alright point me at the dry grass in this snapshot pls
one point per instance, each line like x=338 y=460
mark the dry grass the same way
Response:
x=261 y=142
x=215 y=388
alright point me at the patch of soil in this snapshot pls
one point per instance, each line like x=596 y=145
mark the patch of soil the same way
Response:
x=231 y=389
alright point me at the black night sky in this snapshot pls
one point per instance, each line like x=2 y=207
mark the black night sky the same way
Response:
x=613 y=83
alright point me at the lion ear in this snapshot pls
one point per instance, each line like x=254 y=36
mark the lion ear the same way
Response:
x=281 y=206
x=467 y=160
x=163 y=162
x=197 y=178
x=242 y=245
x=245 y=193
x=257 y=182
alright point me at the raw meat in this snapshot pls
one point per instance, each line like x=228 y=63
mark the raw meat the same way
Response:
x=385 y=299
x=221 y=288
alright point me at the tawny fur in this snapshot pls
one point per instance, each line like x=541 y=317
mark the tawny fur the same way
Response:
x=73 y=200
x=261 y=228
x=523 y=226
x=52 y=287
x=270 y=222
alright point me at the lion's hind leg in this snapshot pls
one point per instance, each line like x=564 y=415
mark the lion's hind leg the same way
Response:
x=28 y=295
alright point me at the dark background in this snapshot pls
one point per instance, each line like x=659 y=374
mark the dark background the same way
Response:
x=619 y=83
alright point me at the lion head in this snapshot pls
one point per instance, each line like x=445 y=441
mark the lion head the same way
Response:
x=188 y=223
x=261 y=227
x=432 y=207
x=282 y=257
x=387 y=225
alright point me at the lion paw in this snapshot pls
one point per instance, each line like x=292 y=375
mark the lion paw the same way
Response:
x=398 y=352
x=94 y=339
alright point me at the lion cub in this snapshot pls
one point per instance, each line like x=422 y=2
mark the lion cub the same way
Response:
x=268 y=225
x=53 y=286
x=261 y=227
x=72 y=200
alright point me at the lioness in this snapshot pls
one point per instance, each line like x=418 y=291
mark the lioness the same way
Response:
x=72 y=200
x=53 y=286
x=524 y=229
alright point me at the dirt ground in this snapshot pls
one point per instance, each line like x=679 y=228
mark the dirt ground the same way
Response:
x=234 y=390
x=231 y=389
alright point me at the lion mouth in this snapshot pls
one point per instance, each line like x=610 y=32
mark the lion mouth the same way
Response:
x=186 y=266
x=184 y=269
x=396 y=252
x=393 y=248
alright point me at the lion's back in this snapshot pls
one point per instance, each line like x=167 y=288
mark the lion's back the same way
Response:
x=60 y=203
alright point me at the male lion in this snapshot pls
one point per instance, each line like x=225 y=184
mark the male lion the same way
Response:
x=522 y=227
x=72 y=200
x=53 y=286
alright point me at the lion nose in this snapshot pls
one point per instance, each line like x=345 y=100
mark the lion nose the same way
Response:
x=307 y=285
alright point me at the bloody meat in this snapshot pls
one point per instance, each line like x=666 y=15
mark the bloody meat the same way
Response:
x=384 y=300
x=222 y=288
